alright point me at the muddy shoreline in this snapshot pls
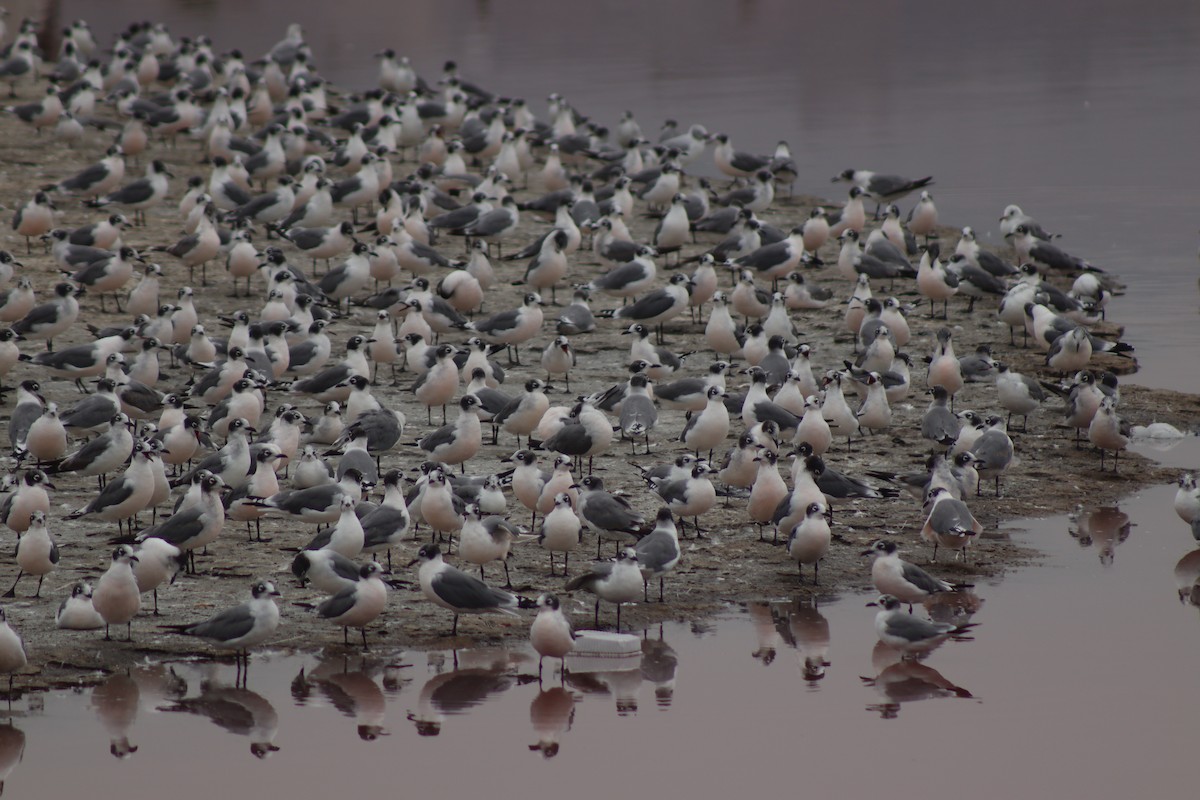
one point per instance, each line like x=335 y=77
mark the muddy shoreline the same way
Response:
x=728 y=567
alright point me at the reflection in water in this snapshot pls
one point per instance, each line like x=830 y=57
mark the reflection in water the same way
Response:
x=1187 y=579
x=462 y=689
x=953 y=608
x=116 y=704
x=1104 y=528
x=659 y=663
x=239 y=711
x=354 y=693
x=809 y=633
x=766 y=631
x=622 y=684
x=12 y=750
x=902 y=680
x=551 y=714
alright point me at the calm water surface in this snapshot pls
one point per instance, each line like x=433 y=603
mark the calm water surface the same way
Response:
x=1080 y=679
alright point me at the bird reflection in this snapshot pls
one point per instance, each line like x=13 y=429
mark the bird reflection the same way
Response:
x=659 y=663
x=621 y=684
x=348 y=684
x=809 y=633
x=953 y=608
x=902 y=680
x=116 y=704
x=239 y=711
x=458 y=691
x=765 y=621
x=551 y=713
x=1187 y=579
x=158 y=682
x=1103 y=528
x=12 y=750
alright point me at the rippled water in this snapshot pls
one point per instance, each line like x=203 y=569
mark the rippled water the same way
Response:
x=1080 y=678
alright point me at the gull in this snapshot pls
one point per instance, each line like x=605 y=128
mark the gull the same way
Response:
x=522 y=415
x=609 y=515
x=117 y=598
x=158 y=562
x=662 y=360
x=638 y=414
x=1105 y=431
x=269 y=207
x=993 y=451
x=589 y=434
x=1013 y=217
x=46 y=438
x=551 y=634
x=923 y=218
x=12 y=654
x=1018 y=394
x=558 y=358
x=34 y=218
x=37 y=554
x=736 y=163
x=1030 y=248
x=907 y=582
x=143 y=193
x=30 y=496
x=809 y=539
x=577 y=318
x=903 y=631
x=936 y=282
x=691 y=394
x=708 y=428
x=777 y=259
x=974 y=281
x=658 y=552
x=459 y=441
x=882 y=188
x=193 y=525
x=950 y=523
x=359 y=604
x=757 y=197
x=97 y=179
x=232 y=462
x=690 y=495
x=939 y=423
x=455 y=590
x=388 y=523
x=241 y=627
x=626 y=277
x=50 y=319
x=317 y=504
x=614 y=581
x=1187 y=498
x=76 y=612
x=327 y=570
x=486 y=539
x=513 y=327
x=561 y=530
x=15 y=303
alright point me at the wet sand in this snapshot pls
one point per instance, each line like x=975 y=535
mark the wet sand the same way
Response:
x=729 y=566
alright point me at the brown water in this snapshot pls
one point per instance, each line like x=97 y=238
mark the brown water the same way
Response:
x=1081 y=673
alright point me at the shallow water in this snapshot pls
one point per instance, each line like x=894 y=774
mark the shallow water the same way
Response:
x=1080 y=677
x=1081 y=671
